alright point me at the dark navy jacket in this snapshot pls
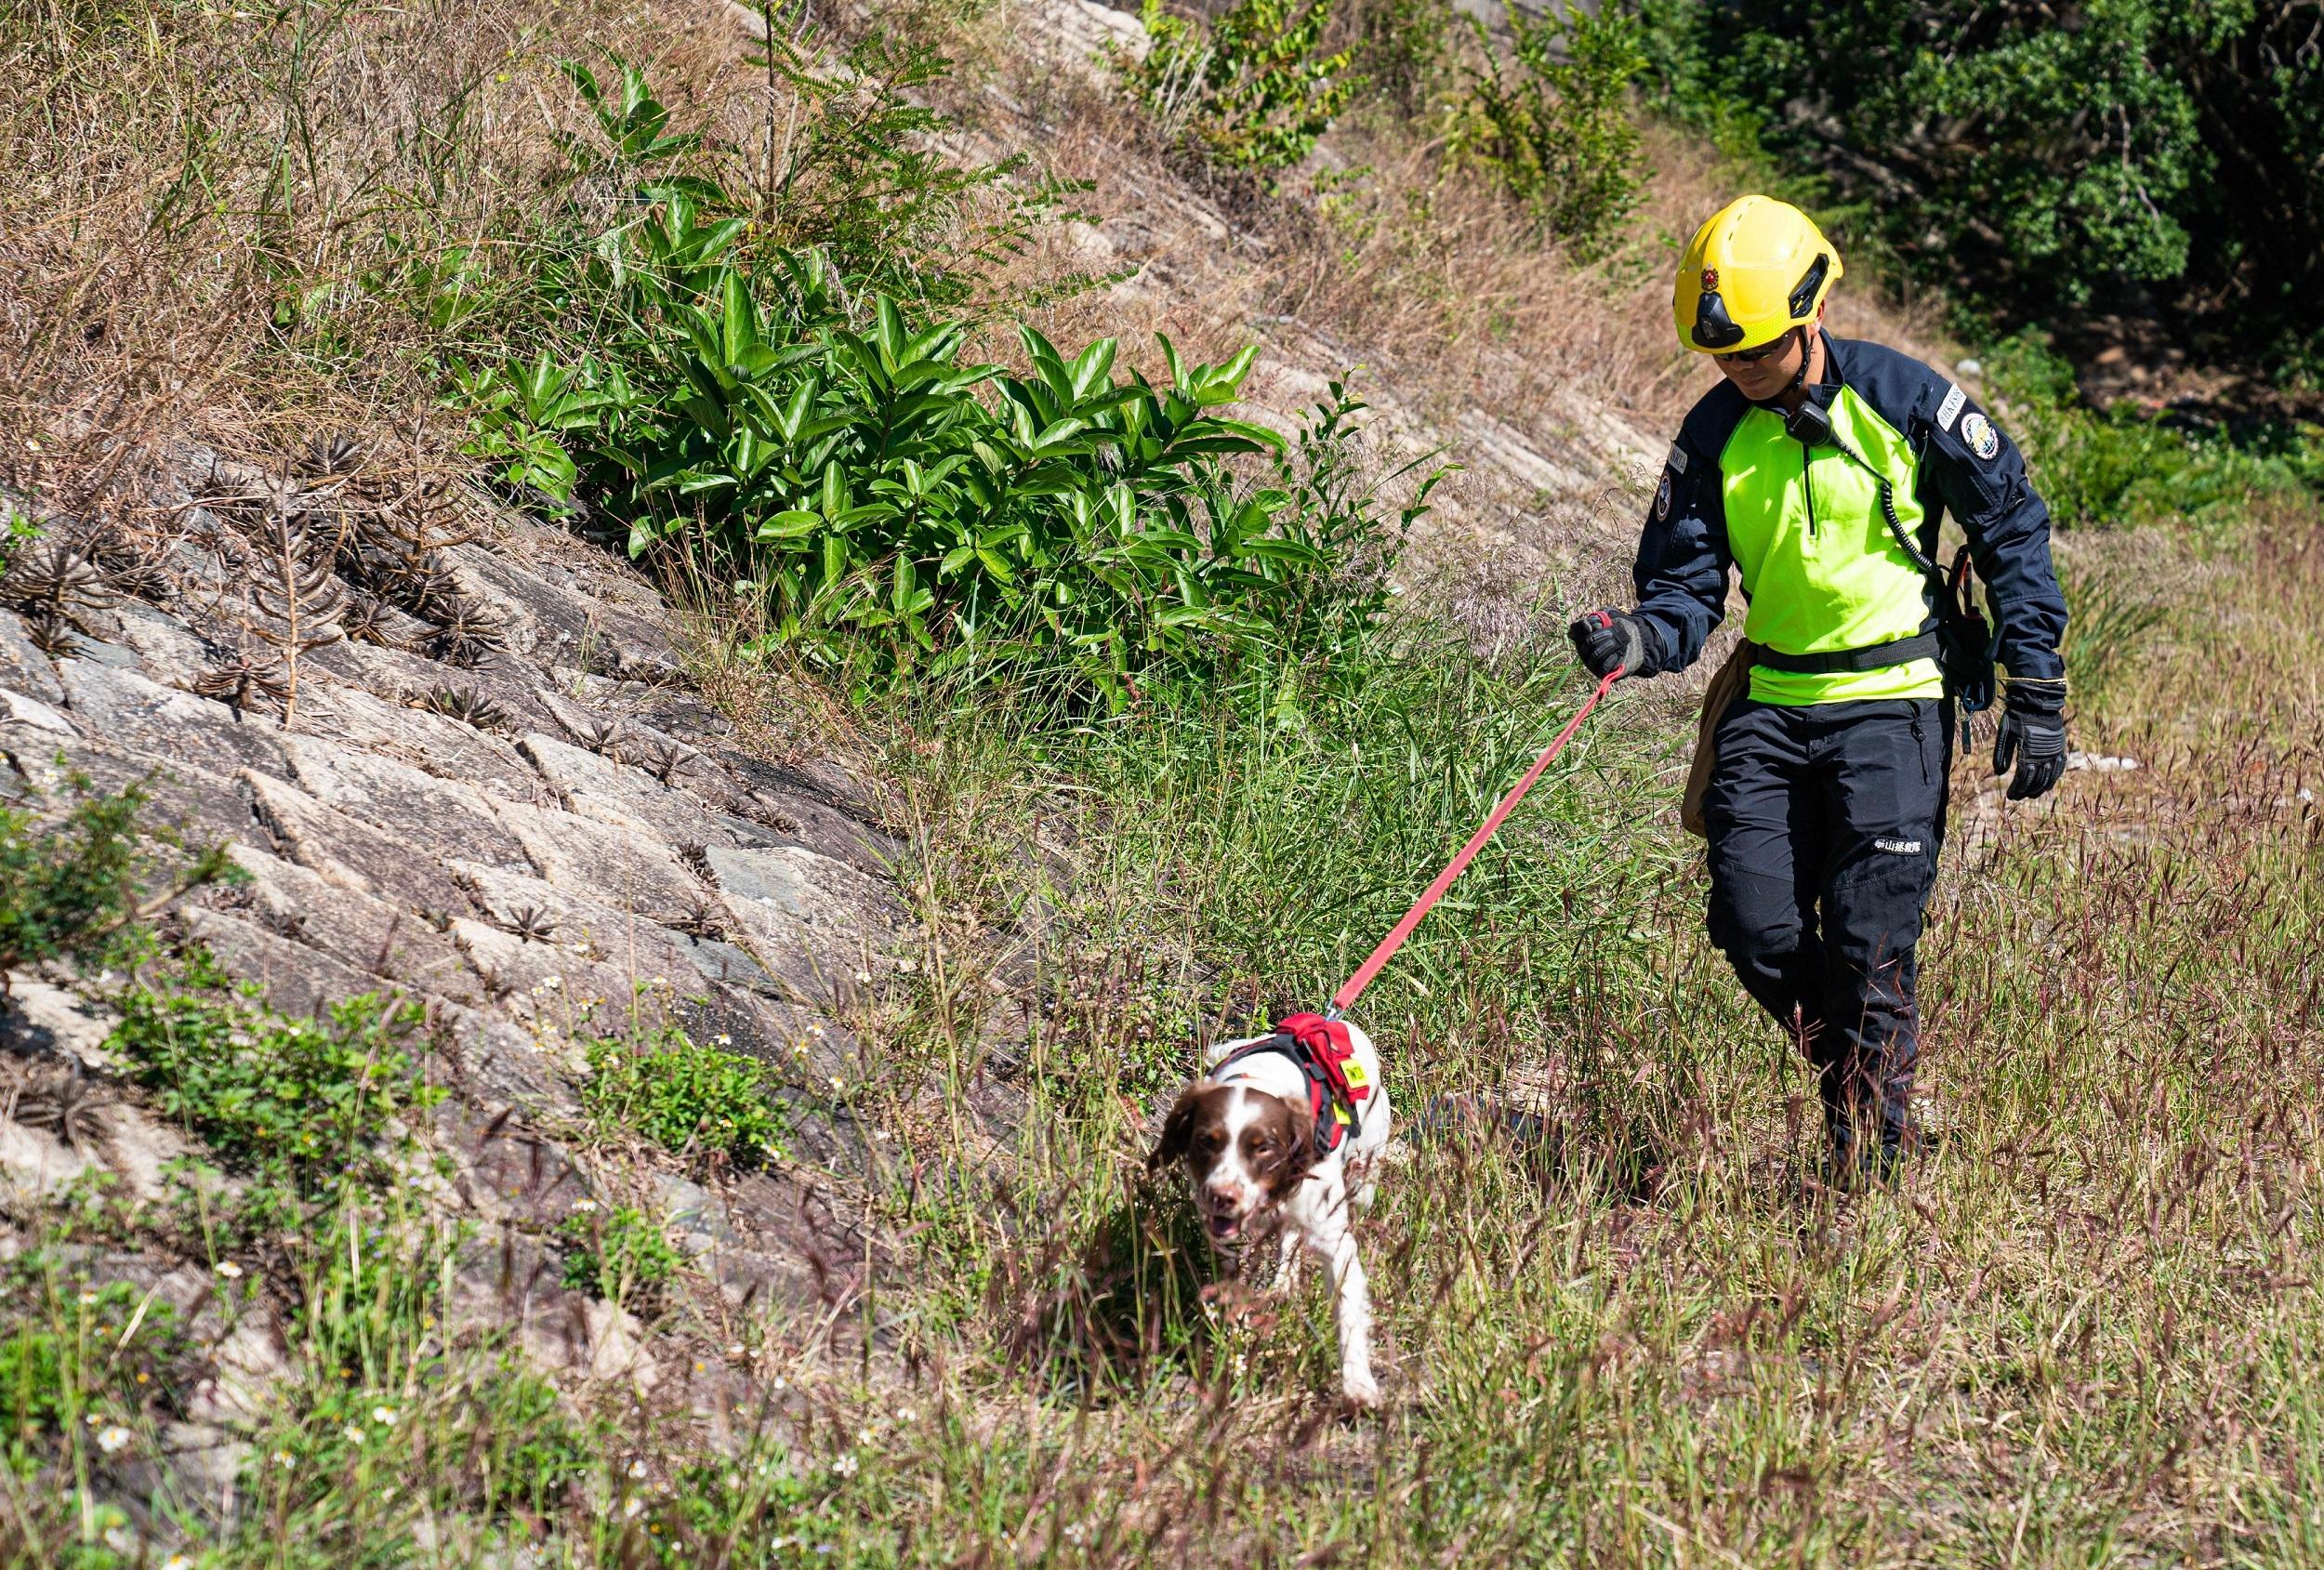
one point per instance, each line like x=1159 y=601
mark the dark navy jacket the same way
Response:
x=1683 y=557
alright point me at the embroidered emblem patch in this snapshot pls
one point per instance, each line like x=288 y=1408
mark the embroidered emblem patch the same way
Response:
x=1662 y=498
x=1979 y=431
x=1950 y=410
x=1711 y=280
x=1898 y=847
x=1678 y=458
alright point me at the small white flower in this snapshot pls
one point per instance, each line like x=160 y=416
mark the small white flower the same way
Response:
x=283 y=1457
x=864 y=1436
x=387 y=1494
x=112 y=1439
x=121 y=1539
x=864 y=978
x=553 y=983
x=636 y=1469
x=630 y=1507
x=907 y=1415
x=177 y=1562
x=355 y=1434
x=880 y=1135
x=781 y=1383
x=844 y=1466
x=659 y=982
x=89 y=1299
x=814 y=1029
x=383 y=1416
x=230 y=1270
x=724 y=1040
x=835 y=1082
x=584 y=1206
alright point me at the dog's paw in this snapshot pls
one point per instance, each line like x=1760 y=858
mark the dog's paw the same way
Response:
x=1360 y=1389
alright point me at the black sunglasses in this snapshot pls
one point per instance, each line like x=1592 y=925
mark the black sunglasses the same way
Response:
x=1753 y=356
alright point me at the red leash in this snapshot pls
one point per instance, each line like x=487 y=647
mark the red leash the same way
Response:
x=1342 y=999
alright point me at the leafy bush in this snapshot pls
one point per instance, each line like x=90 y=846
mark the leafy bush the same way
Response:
x=1403 y=49
x=69 y=884
x=75 y=1354
x=502 y=1441
x=1250 y=91
x=621 y=1255
x=902 y=512
x=2129 y=466
x=2052 y=159
x=689 y=1099
x=1552 y=120
x=303 y=1102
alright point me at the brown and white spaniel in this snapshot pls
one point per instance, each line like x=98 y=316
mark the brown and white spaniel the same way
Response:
x=1246 y=1132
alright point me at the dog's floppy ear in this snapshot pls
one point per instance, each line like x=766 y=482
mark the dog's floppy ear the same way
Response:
x=1178 y=1131
x=1299 y=1157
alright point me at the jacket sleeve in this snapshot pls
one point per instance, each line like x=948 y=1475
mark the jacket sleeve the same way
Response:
x=1982 y=477
x=1682 y=560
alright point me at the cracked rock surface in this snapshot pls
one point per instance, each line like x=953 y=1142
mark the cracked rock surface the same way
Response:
x=478 y=774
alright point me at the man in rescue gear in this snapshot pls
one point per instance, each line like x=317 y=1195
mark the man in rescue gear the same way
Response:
x=1820 y=470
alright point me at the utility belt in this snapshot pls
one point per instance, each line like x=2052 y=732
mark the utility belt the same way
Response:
x=1963 y=644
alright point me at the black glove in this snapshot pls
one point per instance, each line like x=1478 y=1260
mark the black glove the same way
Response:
x=1608 y=639
x=2032 y=735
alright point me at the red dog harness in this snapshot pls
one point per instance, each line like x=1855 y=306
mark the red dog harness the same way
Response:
x=1336 y=1081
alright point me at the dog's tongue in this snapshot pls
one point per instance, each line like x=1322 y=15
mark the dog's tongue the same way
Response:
x=1224 y=1227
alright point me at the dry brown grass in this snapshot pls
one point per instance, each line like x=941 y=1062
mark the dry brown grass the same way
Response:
x=203 y=207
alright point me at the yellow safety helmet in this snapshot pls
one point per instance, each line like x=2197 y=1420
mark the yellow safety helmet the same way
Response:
x=1757 y=269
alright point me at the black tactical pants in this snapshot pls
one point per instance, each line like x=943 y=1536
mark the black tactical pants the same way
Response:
x=1825 y=823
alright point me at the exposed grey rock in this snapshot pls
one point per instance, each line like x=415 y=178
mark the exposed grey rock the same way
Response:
x=626 y=796
x=167 y=650
x=505 y=1170
x=420 y=737
x=417 y=807
x=23 y=666
x=206 y=809
x=292 y=977
x=350 y=852
x=627 y=868
x=379 y=939
x=22 y=708
x=170 y=727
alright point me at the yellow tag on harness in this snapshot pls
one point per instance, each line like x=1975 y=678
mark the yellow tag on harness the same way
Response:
x=1355 y=1072
x=1341 y=1114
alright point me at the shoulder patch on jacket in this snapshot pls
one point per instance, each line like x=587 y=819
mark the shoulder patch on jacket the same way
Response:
x=1981 y=438
x=1950 y=409
x=1678 y=459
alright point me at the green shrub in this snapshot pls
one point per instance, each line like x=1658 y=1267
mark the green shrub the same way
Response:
x=2129 y=466
x=2051 y=161
x=1552 y=120
x=895 y=520
x=691 y=1100
x=901 y=513
x=302 y=1102
x=69 y=884
x=74 y=1355
x=1249 y=92
x=621 y=1255
x=1404 y=50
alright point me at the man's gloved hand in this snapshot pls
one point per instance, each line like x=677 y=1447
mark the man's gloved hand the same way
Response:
x=2032 y=735
x=1608 y=639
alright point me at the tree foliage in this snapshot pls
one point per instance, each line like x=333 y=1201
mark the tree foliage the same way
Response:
x=2058 y=158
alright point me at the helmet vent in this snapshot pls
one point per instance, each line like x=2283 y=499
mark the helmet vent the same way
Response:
x=1802 y=298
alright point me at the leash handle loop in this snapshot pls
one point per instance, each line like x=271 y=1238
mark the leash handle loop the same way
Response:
x=1346 y=997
